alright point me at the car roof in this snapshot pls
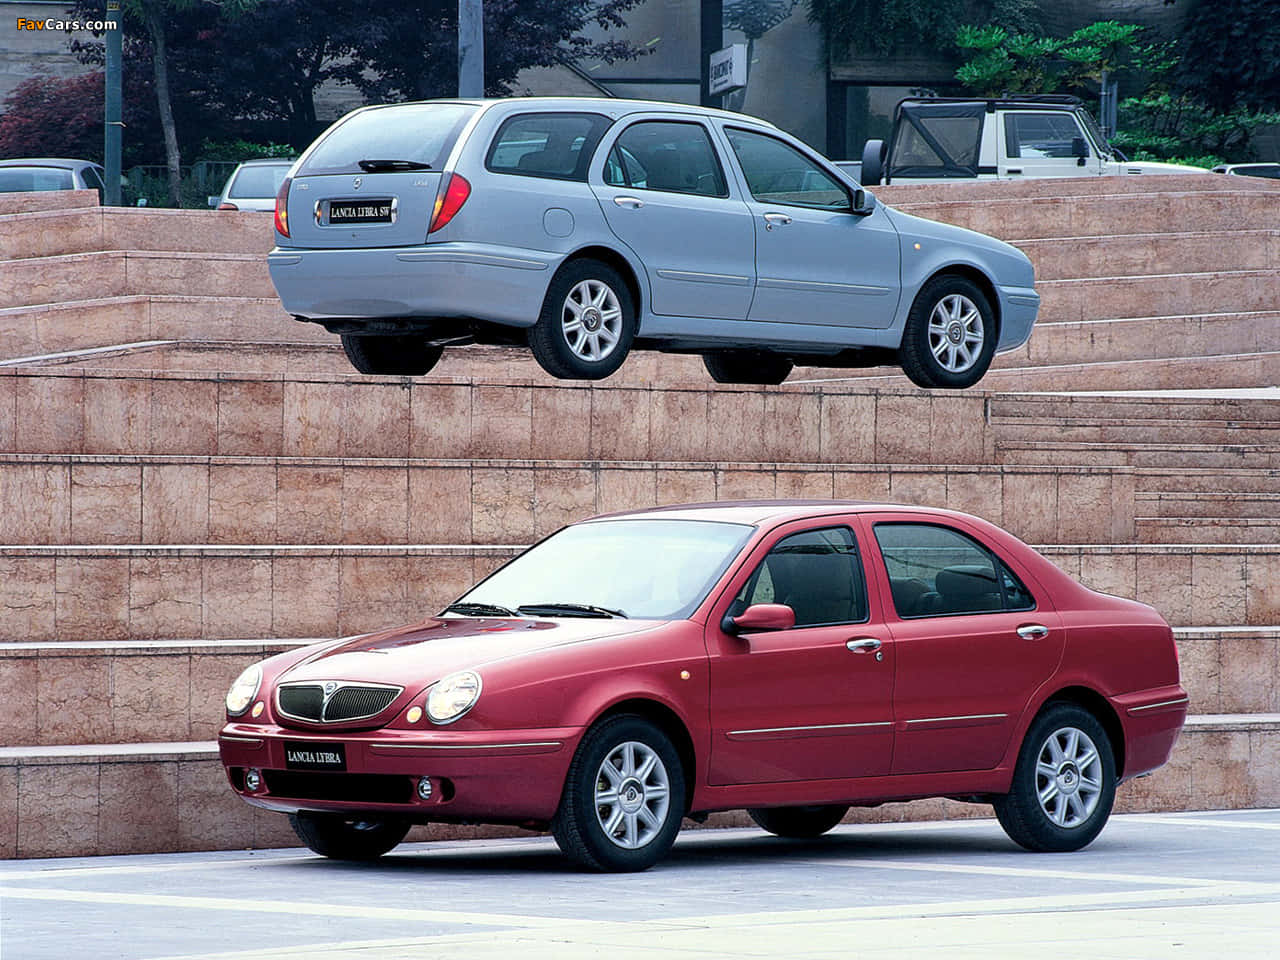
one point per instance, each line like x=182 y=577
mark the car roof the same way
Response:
x=269 y=161
x=62 y=162
x=1047 y=101
x=611 y=105
x=758 y=512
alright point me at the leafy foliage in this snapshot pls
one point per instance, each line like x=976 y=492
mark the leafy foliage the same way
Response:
x=1231 y=54
x=1000 y=62
x=867 y=27
x=46 y=117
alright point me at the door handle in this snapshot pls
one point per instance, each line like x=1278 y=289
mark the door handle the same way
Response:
x=771 y=219
x=635 y=203
x=864 y=645
x=1033 y=631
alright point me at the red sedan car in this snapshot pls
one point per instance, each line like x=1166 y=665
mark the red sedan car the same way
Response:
x=792 y=658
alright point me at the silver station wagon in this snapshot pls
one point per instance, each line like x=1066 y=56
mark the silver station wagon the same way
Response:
x=587 y=228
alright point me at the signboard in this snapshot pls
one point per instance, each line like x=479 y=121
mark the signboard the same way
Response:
x=728 y=69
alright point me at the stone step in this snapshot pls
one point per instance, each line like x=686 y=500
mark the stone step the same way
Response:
x=11 y=203
x=42 y=329
x=1106 y=297
x=1147 y=338
x=1167 y=455
x=1034 y=218
x=1060 y=258
x=1111 y=429
x=1223 y=407
x=89 y=411
x=174 y=689
x=1010 y=374
x=51 y=233
x=1215 y=504
x=61 y=801
x=55 y=499
x=142 y=691
x=1203 y=529
x=116 y=273
x=1068 y=188
x=1224 y=484
x=149 y=592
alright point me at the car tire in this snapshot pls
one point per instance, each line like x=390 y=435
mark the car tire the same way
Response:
x=395 y=356
x=347 y=838
x=950 y=336
x=623 y=798
x=798 y=823
x=747 y=366
x=1068 y=750
x=587 y=324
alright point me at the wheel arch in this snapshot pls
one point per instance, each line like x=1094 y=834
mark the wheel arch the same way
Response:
x=1101 y=708
x=619 y=262
x=969 y=272
x=666 y=720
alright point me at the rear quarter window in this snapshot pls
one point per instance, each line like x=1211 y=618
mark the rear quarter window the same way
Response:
x=422 y=132
x=258 y=182
x=556 y=146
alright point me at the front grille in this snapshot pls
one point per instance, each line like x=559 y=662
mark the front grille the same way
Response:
x=346 y=787
x=306 y=701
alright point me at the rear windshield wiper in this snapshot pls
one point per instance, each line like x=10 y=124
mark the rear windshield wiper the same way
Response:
x=480 y=610
x=374 y=166
x=569 y=610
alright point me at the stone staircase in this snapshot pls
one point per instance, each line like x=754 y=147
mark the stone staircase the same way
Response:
x=194 y=481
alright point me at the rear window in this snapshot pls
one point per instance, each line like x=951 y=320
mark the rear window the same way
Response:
x=422 y=132
x=558 y=146
x=259 y=182
x=28 y=179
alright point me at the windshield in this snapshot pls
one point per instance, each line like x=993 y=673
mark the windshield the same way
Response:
x=1099 y=141
x=646 y=569
x=421 y=132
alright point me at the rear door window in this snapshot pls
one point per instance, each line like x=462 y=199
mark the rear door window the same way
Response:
x=420 y=132
x=673 y=156
x=556 y=146
x=25 y=179
x=936 y=571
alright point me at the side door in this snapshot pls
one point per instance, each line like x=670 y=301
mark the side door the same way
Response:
x=1040 y=144
x=811 y=702
x=664 y=193
x=973 y=638
x=817 y=262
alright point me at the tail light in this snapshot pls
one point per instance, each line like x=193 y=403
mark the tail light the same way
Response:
x=226 y=205
x=449 y=201
x=282 y=208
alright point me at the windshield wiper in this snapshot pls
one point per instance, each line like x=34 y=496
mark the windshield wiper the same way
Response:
x=480 y=610
x=569 y=610
x=374 y=166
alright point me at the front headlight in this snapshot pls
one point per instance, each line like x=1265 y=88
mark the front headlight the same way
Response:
x=244 y=690
x=453 y=696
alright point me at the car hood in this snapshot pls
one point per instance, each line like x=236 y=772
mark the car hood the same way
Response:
x=1152 y=166
x=424 y=652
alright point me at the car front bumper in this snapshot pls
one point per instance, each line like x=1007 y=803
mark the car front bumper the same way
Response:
x=509 y=776
x=1018 y=309
x=503 y=285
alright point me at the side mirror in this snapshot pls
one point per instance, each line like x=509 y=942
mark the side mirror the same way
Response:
x=864 y=202
x=1079 y=150
x=759 y=616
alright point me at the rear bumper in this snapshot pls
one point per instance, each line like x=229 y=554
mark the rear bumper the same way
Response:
x=507 y=776
x=1152 y=720
x=503 y=285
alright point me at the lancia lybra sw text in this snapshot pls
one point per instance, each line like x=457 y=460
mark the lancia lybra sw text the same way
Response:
x=587 y=228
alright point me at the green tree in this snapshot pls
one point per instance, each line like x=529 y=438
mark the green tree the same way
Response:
x=885 y=26
x=1231 y=54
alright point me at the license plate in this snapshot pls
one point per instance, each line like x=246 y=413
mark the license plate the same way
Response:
x=360 y=211
x=315 y=756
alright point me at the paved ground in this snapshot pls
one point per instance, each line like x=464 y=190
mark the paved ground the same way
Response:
x=1179 y=885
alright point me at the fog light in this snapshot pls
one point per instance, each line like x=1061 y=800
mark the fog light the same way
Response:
x=252 y=780
x=424 y=788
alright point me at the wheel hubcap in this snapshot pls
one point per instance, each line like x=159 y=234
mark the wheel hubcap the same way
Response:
x=1069 y=777
x=592 y=320
x=956 y=333
x=633 y=795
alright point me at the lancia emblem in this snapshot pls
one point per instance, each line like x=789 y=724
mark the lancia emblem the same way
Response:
x=329 y=688
x=355 y=184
